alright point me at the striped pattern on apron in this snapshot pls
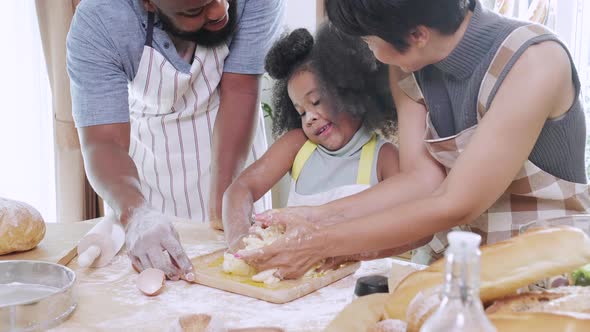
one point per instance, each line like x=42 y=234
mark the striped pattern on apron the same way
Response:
x=172 y=117
x=533 y=195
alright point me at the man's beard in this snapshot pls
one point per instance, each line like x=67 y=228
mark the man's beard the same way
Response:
x=203 y=36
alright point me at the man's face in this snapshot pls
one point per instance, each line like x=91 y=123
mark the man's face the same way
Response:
x=206 y=22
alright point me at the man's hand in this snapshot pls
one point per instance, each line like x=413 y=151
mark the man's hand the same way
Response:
x=152 y=242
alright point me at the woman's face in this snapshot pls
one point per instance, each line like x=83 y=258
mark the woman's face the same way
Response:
x=410 y=61
x=320 y=122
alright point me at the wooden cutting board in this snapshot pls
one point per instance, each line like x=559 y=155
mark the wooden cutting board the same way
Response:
x=210 y=273
x=58 y=245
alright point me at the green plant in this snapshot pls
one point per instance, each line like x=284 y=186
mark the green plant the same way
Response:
x=267 y=111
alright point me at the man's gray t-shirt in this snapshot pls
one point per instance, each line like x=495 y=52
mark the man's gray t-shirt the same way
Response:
x=106 y=40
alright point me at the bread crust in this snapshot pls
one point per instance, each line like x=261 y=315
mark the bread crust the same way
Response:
x=541 y=321
x=562 y=299
x=505 y=266
x=21 y=226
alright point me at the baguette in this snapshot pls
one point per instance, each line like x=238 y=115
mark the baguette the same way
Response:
x=562 y=299
x=541 y=322
x=505 y=266
x=360 y=315
x=559 y=309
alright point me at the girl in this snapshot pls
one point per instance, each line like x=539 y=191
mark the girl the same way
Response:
x=322 y=98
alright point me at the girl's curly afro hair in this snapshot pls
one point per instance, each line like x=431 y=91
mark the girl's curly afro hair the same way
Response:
x=346 y=70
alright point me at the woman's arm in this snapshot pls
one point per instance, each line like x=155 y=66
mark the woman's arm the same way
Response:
x=254 y=182
x=531 y=93
x=387 y=162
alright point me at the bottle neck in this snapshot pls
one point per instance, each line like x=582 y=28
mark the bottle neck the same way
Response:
x=462 y=276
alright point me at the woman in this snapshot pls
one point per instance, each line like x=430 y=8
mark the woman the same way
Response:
x=326 y=129
x=504 y=141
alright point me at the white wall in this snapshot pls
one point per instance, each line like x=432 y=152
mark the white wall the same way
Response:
x=301 y=14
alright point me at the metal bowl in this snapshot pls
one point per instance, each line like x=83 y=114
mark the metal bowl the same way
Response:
x=34 y=296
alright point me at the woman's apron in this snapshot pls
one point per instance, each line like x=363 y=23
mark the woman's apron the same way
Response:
x=363 y=179
x=533 y=195
x=172 y=118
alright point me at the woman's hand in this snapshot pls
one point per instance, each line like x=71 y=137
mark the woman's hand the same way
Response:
x=293 y=254
x=333 y=263
x=286 y=216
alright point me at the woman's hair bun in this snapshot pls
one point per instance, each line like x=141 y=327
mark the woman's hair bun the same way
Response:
x=291 y=50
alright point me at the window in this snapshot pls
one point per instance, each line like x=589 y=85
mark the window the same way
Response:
x=26 y=132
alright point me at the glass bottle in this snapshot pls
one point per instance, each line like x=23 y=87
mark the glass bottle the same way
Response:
x=460 y=309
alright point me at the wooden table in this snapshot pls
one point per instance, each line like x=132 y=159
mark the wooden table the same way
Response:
x=109 y=300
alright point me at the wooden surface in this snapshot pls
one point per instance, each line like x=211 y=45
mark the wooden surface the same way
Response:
x=58 y=245
x=209 y=272
x=108 y=299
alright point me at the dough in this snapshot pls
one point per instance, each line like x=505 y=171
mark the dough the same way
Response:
x=21 y=226
x=236 y=266
x=262 y=237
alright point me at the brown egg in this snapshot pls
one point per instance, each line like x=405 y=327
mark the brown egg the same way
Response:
x=151 y=281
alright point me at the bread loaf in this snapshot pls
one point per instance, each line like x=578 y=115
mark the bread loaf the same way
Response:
x=389 y=325
x=541 y=321
x=505 y=266
x=360 y=315
x=562 y=299
x=21 y=226
x=559 y=309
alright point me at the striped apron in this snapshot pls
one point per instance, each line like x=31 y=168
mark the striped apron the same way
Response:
x=172 y=117
x=363 y=179
x=533 y=195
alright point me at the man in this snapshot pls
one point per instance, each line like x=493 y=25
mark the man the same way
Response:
x=166 y=111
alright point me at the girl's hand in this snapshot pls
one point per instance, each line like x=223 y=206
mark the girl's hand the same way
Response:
x=293 y=254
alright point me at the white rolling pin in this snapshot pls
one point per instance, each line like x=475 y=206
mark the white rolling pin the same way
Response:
x=98 y=247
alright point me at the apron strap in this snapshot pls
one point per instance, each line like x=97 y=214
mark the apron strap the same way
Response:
x=150 y=29
x=367 y=156
x=504 y=55
x=409 y=85
x=365 y=163
x=302 y=156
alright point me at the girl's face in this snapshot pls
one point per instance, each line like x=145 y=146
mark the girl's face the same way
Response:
x=320 y=122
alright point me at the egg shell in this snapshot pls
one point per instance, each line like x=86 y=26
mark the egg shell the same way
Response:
x=151 y=281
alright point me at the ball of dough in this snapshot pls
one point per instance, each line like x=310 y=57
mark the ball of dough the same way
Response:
x=236 y=266
x=21 y=226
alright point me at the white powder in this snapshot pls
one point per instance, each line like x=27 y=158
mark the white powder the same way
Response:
x=117 y=304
